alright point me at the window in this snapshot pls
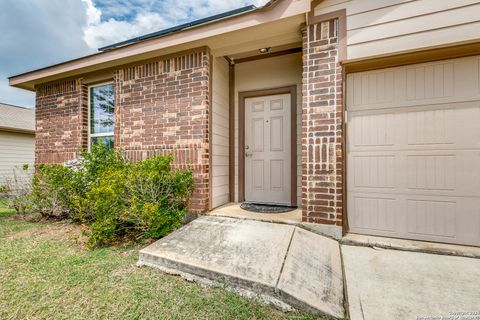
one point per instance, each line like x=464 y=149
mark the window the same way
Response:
x=101 y=113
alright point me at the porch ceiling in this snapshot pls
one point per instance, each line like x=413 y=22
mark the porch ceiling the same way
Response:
x=245 y=42
x=273 y=50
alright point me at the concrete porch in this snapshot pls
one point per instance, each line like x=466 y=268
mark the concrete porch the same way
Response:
x=233 y=210
x=286 y=265
x=281 y=263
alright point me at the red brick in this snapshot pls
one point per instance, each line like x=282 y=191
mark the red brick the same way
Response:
x=322 y=124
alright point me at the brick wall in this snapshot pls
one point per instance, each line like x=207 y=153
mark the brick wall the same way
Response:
x=61 y=121
x=322 y=121
x=161 y=107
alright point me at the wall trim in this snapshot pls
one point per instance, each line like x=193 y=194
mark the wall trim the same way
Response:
x=210 y=131
x=412 y=57
x=269 y=55
x=231 y=129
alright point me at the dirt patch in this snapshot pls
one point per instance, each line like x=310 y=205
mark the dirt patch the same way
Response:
x=27 y=218
x=58 y=231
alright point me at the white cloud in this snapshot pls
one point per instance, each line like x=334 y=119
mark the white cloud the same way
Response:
x=36 y=34
x=111 y=31
x=152 y=16
x=44 y=32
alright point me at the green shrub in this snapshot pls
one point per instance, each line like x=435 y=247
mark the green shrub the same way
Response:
x=4 y=189
x=16 y=189
x=115 y=198
x=144 y=199
x=53 y=188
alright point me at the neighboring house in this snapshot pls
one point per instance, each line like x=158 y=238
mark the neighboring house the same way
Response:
x=365 y=113
x=17 y=139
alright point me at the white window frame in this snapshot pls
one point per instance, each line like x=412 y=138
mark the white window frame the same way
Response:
x=98 y=135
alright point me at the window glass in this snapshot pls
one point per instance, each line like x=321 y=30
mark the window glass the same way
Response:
x=102 y=111
x=107 y=141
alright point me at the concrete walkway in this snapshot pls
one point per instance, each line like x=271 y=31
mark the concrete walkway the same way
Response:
x=287 y=263
x=392 y=284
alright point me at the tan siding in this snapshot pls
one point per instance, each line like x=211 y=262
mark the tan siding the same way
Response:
x=327 y=6
x=16 y=149
x=402 y=11
x=220 y=177
x=266 y=74
x=377 y=27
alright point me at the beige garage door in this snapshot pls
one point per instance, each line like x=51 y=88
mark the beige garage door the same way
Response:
x=413 y=145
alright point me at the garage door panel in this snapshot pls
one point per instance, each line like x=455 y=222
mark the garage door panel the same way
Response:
x=376 y=213
x=427 y=127
x=413 y=151
x=432 y=217
x=450 y=81
x=430 y=81
x=416 y=128
x=443 y=219
x=428 y=218
x=443 y=173
x=372 y=130
x=431 y=172
x=374 y=171
x=448 y=126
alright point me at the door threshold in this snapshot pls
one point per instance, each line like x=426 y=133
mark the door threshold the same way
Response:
x=233 y=210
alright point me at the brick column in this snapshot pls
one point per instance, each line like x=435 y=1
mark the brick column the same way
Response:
x=322 y=123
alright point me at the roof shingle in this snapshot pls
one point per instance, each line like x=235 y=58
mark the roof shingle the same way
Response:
x=16 y=118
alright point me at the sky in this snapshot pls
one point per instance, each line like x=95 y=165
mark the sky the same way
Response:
x=39 y=33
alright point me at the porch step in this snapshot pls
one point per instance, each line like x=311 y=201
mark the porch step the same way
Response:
x=293 y=265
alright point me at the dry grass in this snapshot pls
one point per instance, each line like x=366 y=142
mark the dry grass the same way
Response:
x=46 y=273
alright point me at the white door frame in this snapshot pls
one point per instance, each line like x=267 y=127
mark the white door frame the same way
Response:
x=292 y=90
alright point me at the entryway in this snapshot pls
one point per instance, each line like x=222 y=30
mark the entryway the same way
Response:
x=267 y=157
x=255 y=160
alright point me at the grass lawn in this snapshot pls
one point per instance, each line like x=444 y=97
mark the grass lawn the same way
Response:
x=46 y=273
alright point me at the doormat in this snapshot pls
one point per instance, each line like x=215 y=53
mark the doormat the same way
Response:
x=265 y=208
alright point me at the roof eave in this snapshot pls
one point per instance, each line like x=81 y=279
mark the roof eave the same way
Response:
x=27 y=80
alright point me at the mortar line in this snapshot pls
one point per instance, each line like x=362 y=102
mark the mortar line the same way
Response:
x=285 y=258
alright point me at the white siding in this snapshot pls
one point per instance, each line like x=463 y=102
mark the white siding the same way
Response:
x=266 y=74
x=16 y=149
x=379 y=27
x=220 y=176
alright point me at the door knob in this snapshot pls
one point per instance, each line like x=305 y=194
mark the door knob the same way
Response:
x=248 y=154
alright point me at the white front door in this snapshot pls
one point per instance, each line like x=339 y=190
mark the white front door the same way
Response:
x=268 y=149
